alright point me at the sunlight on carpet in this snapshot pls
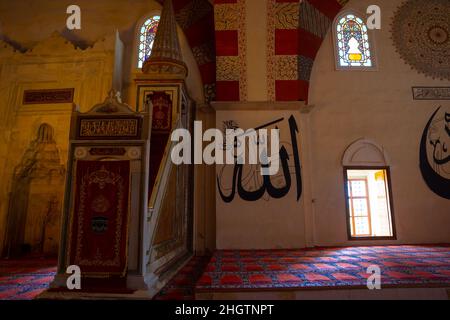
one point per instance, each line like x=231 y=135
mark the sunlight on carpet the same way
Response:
x=326 y=268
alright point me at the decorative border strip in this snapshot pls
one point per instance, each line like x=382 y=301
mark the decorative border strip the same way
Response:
x=271 y=69
x=48 y=96
x=242 y=43
x=431 y=93
x=109 y=128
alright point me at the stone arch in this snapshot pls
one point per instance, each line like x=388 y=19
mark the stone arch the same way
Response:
x=296 y=30
x=35 y=199
x=315 y=21
x=45 y=134
x=196 y=19
x=365 y=153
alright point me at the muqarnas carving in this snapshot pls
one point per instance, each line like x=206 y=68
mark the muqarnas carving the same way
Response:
x=36 y=199
x=421 y=34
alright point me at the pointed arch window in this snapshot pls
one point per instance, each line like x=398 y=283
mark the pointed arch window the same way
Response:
x=353 y=46
x=147 y=36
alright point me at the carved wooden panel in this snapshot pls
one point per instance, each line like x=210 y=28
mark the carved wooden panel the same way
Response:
x=162 y=112
x=172 y=227
x=108 y=128
x=99 y=221
x=167 y=227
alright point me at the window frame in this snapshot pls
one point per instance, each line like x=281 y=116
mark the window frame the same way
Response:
x=371 y=40
x=367 y=200
x=137 y=36
x=391 y=203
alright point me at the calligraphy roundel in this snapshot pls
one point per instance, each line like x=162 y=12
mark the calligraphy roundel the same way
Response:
x=435 y=153
x=421 y=34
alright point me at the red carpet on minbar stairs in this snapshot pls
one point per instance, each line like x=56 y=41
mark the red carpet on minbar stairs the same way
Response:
x=182 y=286
x=25 y=279
x=401 y=266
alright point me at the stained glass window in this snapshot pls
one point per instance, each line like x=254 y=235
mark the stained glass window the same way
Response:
x=353 y=47
x=146 y=39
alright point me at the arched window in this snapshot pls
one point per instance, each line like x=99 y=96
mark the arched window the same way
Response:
x=352 y=46
x=368 y=192
x=147 y=36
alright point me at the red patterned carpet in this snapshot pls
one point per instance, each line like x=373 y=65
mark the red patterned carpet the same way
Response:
x=25 y=279
x=405 y=266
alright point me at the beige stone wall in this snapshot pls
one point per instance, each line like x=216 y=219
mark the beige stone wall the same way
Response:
x=19 y=19
x=51 y=62
x=256 y=40
x=267 y=223
x=346 y=106
x=349 y=105
x=27 y=22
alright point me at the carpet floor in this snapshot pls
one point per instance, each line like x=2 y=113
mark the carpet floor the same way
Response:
x=25 y=279
x=407 y=266
x=403 y=266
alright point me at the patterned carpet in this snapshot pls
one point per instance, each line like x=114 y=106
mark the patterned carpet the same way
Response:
x=25 y=279
x=265 y=269
x=326 y=268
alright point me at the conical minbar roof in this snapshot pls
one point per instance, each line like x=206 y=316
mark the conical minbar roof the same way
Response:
x=166 y=58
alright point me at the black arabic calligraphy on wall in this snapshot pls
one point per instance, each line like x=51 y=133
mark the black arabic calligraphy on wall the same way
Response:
x=435 y=153
x=247 y=181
